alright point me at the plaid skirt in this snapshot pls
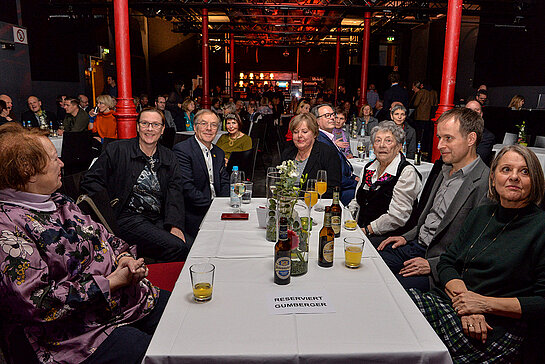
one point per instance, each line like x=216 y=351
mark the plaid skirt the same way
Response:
x=463 y=349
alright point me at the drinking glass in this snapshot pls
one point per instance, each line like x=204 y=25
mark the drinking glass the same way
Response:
x=361 y=149
x=202 y=281
x=240 y=187
x=321 y=187
x=273 y=178
x=353 y=247
x=350 y=222
x=247 y=197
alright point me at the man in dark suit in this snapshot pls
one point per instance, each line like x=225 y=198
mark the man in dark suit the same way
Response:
x=395 y=92
x=484 y=149
x=325 y=116
x=460 y=186
x=204 y=175
x=37 y=117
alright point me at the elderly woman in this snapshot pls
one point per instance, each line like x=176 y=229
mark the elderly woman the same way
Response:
x=104 y=123
x=398 y=115
x=517 y=102
x=311 y=155
x=188 y=106
x=235 y=140
x=342 y=138
x=366 y=120
x=388 y=188
x=70 y=290
x=144 y=184
x=493 y=274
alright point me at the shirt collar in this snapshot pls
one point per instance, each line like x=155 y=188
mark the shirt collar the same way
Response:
x=202 y=146
x=464 y=171
x=392 y=167
x=328 y=134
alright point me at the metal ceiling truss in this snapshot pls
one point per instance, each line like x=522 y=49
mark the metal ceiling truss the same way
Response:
x=289 y=23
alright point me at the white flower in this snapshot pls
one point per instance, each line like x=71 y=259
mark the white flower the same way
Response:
x=39 y=228
x=15 y=246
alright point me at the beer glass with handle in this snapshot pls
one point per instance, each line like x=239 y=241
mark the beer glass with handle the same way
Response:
x=321 y=187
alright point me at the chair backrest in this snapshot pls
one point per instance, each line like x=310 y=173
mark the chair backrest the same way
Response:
x=167 y=139
x=97 y=205
x=540 y=141
x=181 y=137
x=241 y=159
x=70 y=185
x=77 y=152
x=509 y=139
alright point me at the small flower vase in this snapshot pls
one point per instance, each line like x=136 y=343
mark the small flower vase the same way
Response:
x=271 y=221
x=299 y=252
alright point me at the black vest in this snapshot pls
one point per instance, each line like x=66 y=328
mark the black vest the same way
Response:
x=375 y=201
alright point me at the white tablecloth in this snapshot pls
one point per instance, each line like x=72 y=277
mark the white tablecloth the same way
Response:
x=375 y=320
x=57 y=142
x=220 y=133
x=540 y=153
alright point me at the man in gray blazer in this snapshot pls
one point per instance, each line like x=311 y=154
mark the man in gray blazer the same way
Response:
x=460 y=186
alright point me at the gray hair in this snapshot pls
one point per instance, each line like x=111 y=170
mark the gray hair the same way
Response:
x=398 y=107
x=315 y=109
x=388 y=125
x=199 y=115
x=230 y=107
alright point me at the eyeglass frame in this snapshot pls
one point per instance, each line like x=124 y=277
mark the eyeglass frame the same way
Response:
x=146 y=124
x=331 y=114
x=205 y=124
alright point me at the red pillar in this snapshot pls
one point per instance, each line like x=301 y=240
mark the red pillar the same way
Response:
x=232 y=64
x=205 y=76
x=125 y=112
x=365 y=57
x=450 y=62
x=337 y=56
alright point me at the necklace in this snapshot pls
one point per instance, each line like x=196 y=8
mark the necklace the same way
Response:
x=232 y=140
x=466 y=262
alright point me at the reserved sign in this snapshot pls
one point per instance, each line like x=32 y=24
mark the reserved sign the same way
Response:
x=282 y=304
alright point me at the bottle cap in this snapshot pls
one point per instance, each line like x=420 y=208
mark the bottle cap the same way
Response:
x=235 y=168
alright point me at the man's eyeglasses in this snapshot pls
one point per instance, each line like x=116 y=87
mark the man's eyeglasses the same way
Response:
x=328 y=115
x=145 y=124
x=208 y=125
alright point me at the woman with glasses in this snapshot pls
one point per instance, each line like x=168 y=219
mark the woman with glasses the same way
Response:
x=144 y=184
x=235 y=140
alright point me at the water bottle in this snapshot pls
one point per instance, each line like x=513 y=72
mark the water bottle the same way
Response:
x=235 y=200
x=405 y=148
x=371 y=152
x=418 y=155
x=51 y=130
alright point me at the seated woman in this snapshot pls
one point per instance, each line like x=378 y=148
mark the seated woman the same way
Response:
x=188 y=107
x=342 y=138
x=4 y=113
x=311 y=155
x=493 y=274
x=144 y=183
x=398 y=115
x=388 y=188
x=366 y=120
x=517 y=102
x=104 y=123
x=70 y=290
x=234 y=140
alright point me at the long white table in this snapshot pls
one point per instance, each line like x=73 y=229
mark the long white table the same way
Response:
x=375 y=320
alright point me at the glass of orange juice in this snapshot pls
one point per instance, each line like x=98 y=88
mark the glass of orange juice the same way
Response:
x=321 y=187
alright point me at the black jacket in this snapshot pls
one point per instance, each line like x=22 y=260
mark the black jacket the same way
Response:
x=118 y=168
x=321 y=157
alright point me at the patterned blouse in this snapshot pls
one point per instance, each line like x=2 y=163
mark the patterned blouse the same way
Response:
x=53 y=269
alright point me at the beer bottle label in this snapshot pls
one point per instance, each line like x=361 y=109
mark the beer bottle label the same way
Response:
x=327 y=251
x=336 y=224
x=282 y=265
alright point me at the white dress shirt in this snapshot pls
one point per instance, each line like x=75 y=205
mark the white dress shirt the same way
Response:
x=207 y=154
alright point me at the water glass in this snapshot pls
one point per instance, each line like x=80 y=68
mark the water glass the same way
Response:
x=202 y=281
x=247 y=196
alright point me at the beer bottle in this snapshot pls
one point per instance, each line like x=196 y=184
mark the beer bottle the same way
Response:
x=418 y=155
x=282 y=255
x=336 y=212
x=327 y=241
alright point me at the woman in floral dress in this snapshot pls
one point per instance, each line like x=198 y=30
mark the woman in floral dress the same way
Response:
x=71 y=292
